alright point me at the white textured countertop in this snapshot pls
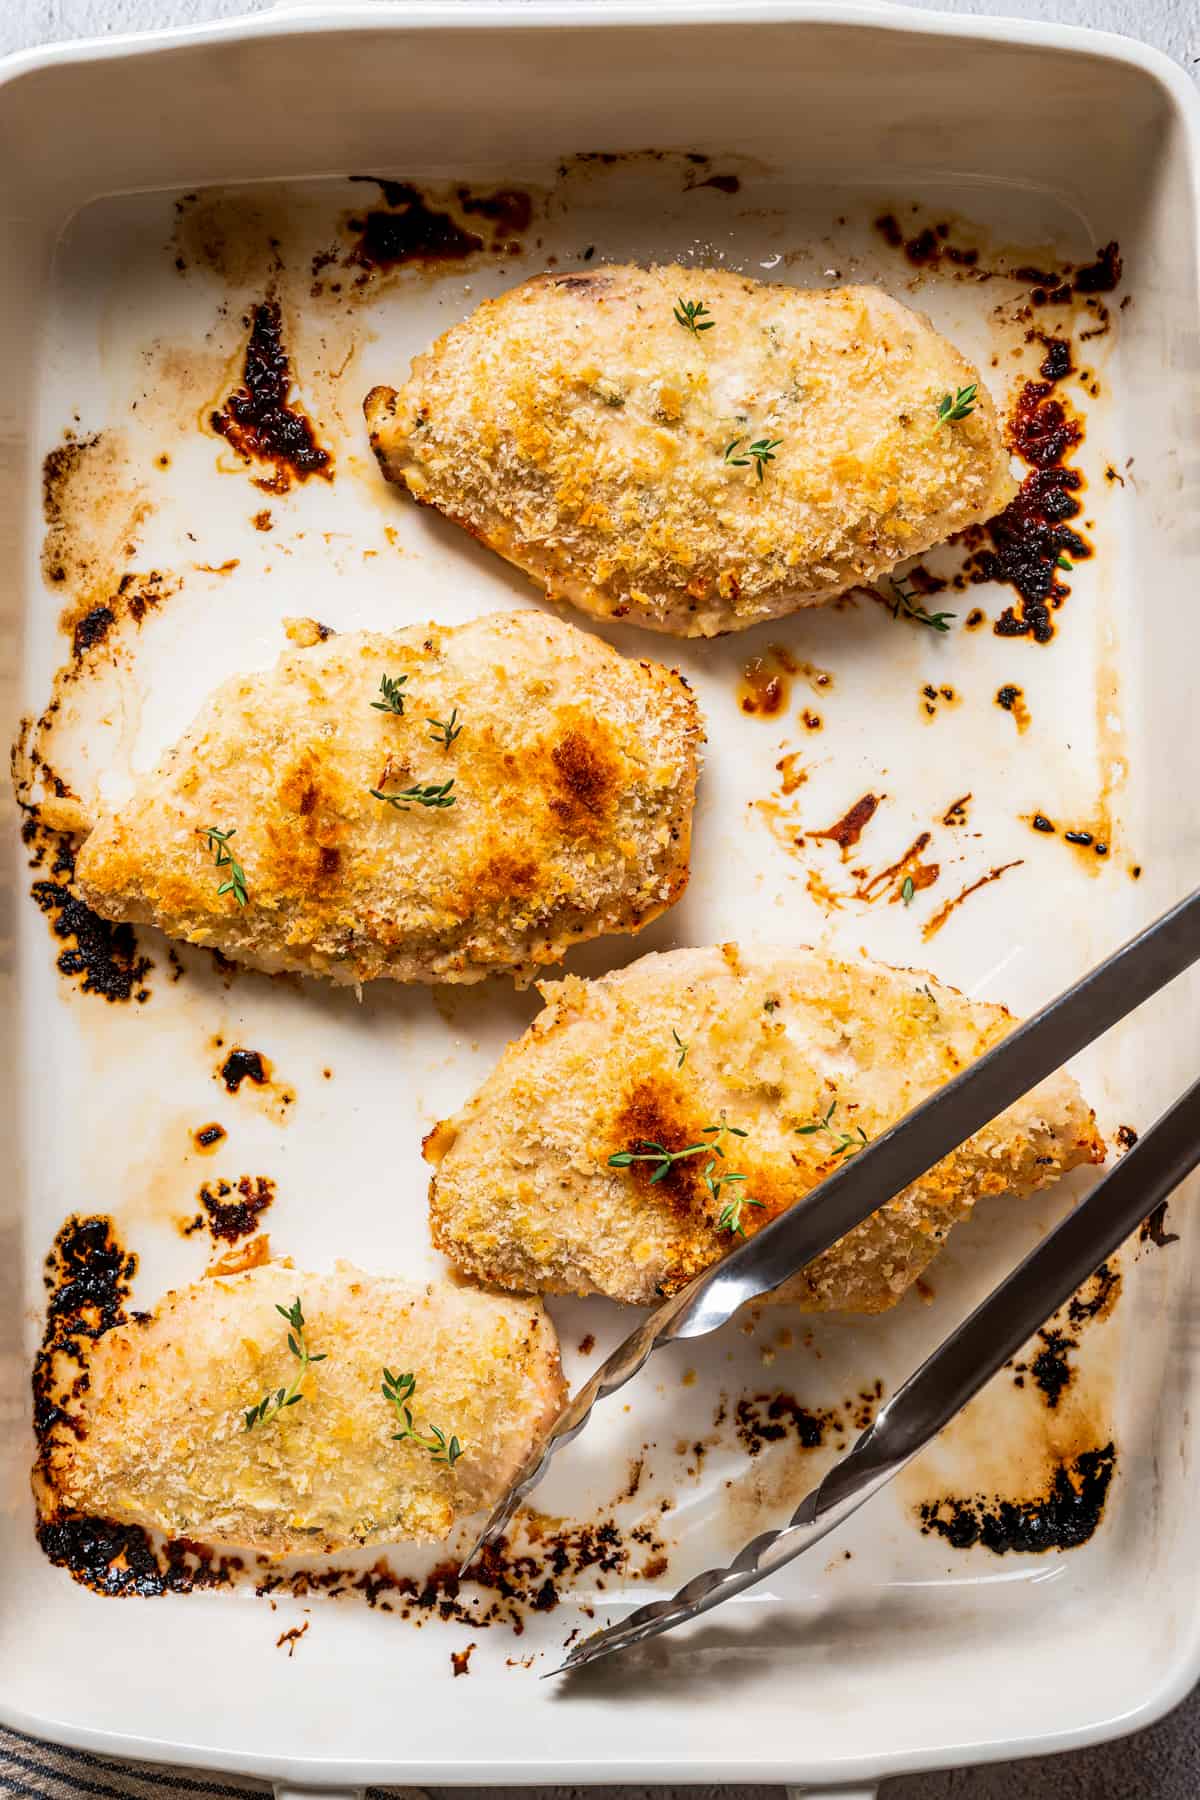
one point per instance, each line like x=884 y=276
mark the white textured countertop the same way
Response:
x=1160 y=1764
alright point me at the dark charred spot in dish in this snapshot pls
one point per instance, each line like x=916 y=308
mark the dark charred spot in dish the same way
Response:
x=769 y=1418
x=292 y=1638
x=1065 y=1516
x=1101 y=276
x=1095 y=1298
x=92 y=629
x=1056 y=364
x=1031 y=539
x=956 y=812
x=101 y=957
x=231 y=1219
x=587 y=1344
x=724 y=184
x=927 y=246
x=509 y=210
x=120 y=1560
x=1011 y=699
x=244 y=1065
x=207 y=1137
x=846 y=831
x=1126 y=1136
x=1049 y=1369
x=87 y=1277
x=413 y=230
x=460 y=1660
x=1153 y=1229
x=505 y=1582
x=258 y=420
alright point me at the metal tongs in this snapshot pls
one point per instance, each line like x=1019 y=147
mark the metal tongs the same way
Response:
x=986 y=1339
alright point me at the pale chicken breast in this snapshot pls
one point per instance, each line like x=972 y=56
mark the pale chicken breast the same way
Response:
x=433 y=804
x=783 y=1060
x=695 y=471
x=161 y=1436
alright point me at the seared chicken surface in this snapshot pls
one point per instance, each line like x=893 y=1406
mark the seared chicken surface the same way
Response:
x=783 y=446
x=557 y=781
x=698 y=1066
x=163 y=1440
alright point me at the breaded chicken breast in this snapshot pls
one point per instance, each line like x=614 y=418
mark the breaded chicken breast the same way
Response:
x=433 y=804
x=163 y=1440
x=647 y=1119
x=695 y=471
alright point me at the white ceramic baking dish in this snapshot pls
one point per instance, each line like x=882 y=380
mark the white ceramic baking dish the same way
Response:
x=906 y=1656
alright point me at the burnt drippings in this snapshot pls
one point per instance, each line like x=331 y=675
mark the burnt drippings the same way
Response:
x=1096 y=1297
x=101 y=957
x=244 y=1065
x=414 y=230
x=207 y=1137
x=1101 y=276
x=460 y=1660
x=769 y=1418
x=1153 y=1229
x=87 y=1276
x=258 y=420
x=121 y=1560
x=928 y=245
x=846 y=831
x=1032 y=543
x=934 y=925
x=92 y=629
x=1050 y=1369
x=505 y=1583
x=231 y=1219
x=1064 y=1517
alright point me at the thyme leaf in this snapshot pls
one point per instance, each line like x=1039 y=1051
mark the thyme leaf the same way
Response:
x=393 y=699
x=907 y=602
x=431 y=795
x=689 y=314
x=959 y=405
x=271 y=1405
x=398 y=1390
x=223 y=858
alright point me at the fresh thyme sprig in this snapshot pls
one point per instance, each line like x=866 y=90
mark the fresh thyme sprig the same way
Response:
x=649 y=1150
x=446 y=730
x=907 y=890
x=430 y=795
x=730 y=1216
x=398 y=1390
x=1063 y=562
x=690 y=313
x=845 y=1143
x=761 y=453
x=271 y=1405
x=957 y=406
x=218 y=843
x=393 y=699
x=906 y=601
x=681 y=1047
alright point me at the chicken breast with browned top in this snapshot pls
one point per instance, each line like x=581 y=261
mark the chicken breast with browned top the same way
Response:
x=432 y=804
x=647 y=1121
x=220 y=1417
x=693 y=450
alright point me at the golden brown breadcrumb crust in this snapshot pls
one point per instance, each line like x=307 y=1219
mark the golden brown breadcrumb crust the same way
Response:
x=766 y=1041
x=579 y=429
x=573 y=772
x=161 y=1438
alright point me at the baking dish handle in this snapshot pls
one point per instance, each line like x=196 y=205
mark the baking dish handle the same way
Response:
x=858 y=1792
x=284 y=1790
